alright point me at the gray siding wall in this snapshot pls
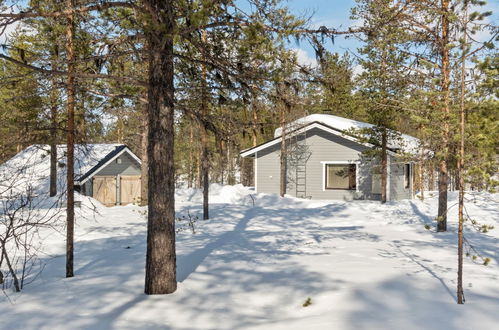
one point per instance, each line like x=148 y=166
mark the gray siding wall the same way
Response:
x=324 y=147
x=87 y=188
x=267 y=167
x=398 y=190
x=128 y=166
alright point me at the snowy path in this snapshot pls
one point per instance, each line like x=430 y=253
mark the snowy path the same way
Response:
x=364 y=265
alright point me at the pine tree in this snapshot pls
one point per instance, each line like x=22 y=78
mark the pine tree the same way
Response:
x=383 y=81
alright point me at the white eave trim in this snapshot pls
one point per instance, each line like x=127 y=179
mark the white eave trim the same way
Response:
x=126 y=149
x=249 y=152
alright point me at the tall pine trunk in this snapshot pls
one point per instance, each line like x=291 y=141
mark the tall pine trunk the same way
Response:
x=161 y=256
x=460 y=171
x=144 y=168
x=205 y=167
x=460 y=168
x=254 y=117
x=443 y=177
x=70 y=214
x=199 y=172
x=53 y=136
x=191 y=157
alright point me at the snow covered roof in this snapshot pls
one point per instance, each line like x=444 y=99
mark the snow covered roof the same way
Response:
x=335 y=125
x=339 y=123
x=407 y=142
x=31 y=167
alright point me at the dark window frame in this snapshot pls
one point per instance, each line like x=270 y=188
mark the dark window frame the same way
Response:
x=407 y=176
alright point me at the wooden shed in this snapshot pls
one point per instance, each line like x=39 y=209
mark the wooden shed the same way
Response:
x=114 y=179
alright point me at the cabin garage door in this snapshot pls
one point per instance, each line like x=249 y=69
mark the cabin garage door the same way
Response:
x=129 y=189
x=117 y=190
x=104 y=189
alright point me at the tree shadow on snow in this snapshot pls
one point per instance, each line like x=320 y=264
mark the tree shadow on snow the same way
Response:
x=402 y=303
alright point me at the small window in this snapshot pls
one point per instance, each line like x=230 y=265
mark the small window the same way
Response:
x=118 y=160
x=341 y=176
x=407 y=175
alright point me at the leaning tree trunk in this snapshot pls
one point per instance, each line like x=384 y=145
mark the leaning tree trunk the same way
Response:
x=384 y=166
x=161 y=256
x=443 y=177
x=70 y=214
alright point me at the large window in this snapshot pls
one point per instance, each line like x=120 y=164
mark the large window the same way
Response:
x=341 y=176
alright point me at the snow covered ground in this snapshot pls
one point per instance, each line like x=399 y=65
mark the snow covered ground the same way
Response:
x=258 y=259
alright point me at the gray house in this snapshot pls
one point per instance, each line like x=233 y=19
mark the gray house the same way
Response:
x=324 y=161
x=111 y=175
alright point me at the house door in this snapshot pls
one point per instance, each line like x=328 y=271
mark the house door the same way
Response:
x=130 y=189
x=104 y=189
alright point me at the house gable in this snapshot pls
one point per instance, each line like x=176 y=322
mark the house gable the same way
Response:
x=344 y=139
x=129 y=165
x=321 y=146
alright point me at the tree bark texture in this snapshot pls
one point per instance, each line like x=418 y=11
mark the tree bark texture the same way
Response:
x=283 y=156
x=254 y=117
x=460 y=173
x=144 y=168
x=190 y=178
x=70 y=214
x=161 y=256
x=204 y=141
x=443 y=177
x=205 y=171
x=53 y=141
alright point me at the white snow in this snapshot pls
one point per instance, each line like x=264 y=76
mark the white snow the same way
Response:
x=255 y=262
x=408 y=143
x=32 y=165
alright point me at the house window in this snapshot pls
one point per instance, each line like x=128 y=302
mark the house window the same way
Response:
x=407 y=176
x=341 y=176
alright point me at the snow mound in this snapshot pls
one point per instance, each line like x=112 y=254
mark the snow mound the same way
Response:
x=229 y=194
x=30 y=168
x=218 y=194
